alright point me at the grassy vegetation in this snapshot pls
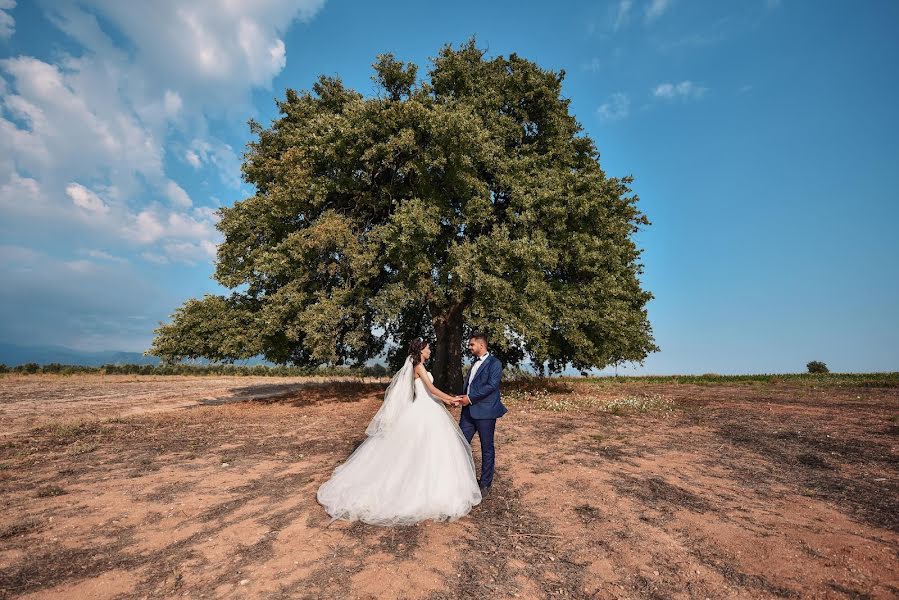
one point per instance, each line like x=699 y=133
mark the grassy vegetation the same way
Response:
x=639 y=403
x=566 y=394
x=890 y=379
x=49 y=491
x=559 y=400
x=377 y=370
x=516 y=374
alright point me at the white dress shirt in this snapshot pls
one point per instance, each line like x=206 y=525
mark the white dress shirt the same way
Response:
x=474 y=370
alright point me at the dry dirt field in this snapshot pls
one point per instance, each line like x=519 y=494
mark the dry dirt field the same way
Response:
x=164 y=487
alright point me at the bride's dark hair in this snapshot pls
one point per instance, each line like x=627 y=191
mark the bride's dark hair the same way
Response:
x=415 y=348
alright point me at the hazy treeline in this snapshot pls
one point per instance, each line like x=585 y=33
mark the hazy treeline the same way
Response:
x=377 y=370
x=886 y=379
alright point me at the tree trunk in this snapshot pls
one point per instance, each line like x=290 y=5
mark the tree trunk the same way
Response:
x=447 y=351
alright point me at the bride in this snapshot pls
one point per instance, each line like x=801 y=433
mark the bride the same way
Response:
x=415 y=463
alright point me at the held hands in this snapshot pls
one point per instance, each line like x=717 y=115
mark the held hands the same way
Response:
x=462 y=400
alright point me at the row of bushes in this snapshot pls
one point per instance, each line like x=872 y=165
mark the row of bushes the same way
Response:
x=377 y=370
x=886 y=379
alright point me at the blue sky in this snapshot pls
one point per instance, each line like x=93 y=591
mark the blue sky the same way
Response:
x=762 y=135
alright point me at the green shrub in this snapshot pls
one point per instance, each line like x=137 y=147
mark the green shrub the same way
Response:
x=816 y=366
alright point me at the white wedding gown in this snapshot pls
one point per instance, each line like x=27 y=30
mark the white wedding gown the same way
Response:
x=421 y=468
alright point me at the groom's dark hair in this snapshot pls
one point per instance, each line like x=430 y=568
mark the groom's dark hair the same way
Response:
x=479 y=335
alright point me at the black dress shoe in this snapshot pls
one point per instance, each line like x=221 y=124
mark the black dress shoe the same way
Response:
x=485 y=491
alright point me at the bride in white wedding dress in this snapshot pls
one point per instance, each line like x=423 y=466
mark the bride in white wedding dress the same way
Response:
x=415 y=463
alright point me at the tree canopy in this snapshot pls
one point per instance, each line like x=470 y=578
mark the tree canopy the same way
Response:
x=470 y=200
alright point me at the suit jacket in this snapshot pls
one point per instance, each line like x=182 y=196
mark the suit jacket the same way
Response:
x=483 y=391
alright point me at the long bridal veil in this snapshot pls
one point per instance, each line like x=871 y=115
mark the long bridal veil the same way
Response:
x=414 y=464
x=397 y=398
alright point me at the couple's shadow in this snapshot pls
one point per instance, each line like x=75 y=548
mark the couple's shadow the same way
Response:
x=309 y=393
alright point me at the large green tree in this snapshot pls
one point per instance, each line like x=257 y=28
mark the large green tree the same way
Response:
x=469 y=201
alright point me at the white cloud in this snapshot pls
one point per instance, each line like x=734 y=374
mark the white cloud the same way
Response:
x=23 y=196
x=177 y=195
x=192 y=158
x=210 y=52
x=172 y=103
x=85 y=198
x=99 y=216
x=617 y=108
x=147 y=228
x=190 y=253
x=656 y=8
x=80 y=266
x=75 y=125
x=219 y=155
x=184 y=226
x=179 y=236
x=92 y=130
x=103 y=255
x=152 y=257
x=206 y=213
x=7 y=23
x=686 y=90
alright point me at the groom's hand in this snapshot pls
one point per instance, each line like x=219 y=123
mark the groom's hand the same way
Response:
x=464 y=400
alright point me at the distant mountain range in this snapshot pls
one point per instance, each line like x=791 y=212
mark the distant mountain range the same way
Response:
x=13 y=354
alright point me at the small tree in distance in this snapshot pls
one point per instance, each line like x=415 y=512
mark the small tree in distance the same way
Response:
x=816 y=366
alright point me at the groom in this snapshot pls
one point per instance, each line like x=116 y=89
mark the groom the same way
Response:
x=481 y=406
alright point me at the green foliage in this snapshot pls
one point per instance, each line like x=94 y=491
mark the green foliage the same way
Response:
x=376 y=370
x=472 y=200
x=816 y=366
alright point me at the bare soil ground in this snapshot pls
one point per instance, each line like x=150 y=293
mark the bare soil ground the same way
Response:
x=146 y=487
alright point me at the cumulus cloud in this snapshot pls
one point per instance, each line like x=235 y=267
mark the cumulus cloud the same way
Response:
x=84 y=137
x=87 y=134
x=617 y=108
x=75 y=125
x=210 y=52
x=686 y=90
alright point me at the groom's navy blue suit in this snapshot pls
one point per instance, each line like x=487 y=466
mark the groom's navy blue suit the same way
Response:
x=480 y=416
